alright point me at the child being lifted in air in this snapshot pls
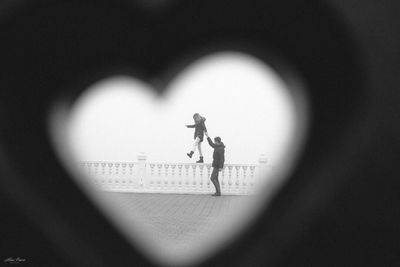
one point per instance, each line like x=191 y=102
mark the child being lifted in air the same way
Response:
x=199 y=129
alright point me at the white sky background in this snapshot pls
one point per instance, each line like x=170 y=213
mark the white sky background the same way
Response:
x=243 y=100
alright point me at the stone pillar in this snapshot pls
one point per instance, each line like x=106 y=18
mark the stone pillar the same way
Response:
x=262 y=169
x=263 y=159
x=142 y=171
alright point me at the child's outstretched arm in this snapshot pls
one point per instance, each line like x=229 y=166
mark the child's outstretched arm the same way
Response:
x=190 y=126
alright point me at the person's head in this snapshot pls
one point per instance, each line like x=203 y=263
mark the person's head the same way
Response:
x=197 y=117
x=217 y=140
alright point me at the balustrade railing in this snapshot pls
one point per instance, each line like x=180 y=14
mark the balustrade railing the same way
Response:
x=185 y=178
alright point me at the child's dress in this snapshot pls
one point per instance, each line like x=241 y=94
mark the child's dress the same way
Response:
x=199 y=130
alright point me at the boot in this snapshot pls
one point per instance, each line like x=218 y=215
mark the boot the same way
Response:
x=216 y=194
x=200 y=160
x=190 y=154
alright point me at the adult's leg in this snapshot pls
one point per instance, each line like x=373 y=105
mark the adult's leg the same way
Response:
x=214 y=180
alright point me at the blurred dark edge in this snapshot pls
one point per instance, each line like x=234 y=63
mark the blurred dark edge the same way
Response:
x=340 y=208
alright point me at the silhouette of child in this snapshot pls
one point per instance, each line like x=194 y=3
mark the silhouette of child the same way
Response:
x=199 y=129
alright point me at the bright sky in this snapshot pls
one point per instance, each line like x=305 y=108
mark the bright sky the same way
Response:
x=244 y=101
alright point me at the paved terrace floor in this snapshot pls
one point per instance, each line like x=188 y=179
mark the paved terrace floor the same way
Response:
x=179 y=218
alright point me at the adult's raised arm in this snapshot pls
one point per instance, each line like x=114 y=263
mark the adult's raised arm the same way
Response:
x=210 y=142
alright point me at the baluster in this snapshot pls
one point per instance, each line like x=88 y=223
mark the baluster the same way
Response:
x=173 y=178
x=141 y=177
x=152 y=165
x=86 y=169
x=116 y=175
x=92 y=174
x=201 y=182
x=230 y=178
x=103 y=174
x=123 y=176
x=252 y=186
x=112 y=175
x=89 y=172
x=108 y=184
x=122 y=172
x=130 y=168
x=166 y=182
x=262 y=169
x=130 y=175
x=237 y=183
x=88 y=164
x=208 y=175
x=159 y=185
x=187 y=166
x=95 y=176
x=194 y=166
x=222 y=180
x=180 y=175
x=245 y=182
x=123 y=165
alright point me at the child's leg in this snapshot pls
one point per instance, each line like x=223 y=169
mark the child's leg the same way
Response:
x=199 y=147
x=196 y=144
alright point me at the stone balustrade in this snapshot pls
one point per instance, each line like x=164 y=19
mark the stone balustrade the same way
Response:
x=184 y=178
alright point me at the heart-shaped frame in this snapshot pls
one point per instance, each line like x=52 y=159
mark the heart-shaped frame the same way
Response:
x=48 y=47
x=154 y=242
